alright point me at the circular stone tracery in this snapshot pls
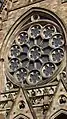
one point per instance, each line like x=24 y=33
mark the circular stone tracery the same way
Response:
x=57 y=55
x=48 y=30
x=36 y=53
x=34 y=77
x=23 y=37
x=14 y=51
x=13 y=64
x=56 y=41
x=21 y=75
x=48 y=69
x=34 y=31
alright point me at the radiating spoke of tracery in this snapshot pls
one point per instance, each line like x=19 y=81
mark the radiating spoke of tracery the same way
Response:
x=37 y=52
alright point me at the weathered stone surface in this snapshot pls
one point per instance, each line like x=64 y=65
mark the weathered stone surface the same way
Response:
x=13 y=9
x=56 y=6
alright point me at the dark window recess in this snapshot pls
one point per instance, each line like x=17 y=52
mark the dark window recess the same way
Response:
x=61 y=116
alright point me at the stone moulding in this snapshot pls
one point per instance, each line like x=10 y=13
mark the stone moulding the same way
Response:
x=20 y=23
x=38 y=94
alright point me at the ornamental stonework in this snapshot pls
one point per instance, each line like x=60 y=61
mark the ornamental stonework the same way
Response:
x=33 y=82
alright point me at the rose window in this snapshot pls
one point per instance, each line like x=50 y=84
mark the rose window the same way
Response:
x=36 y=52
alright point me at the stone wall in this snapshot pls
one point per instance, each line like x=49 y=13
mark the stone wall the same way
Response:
x=13 y=9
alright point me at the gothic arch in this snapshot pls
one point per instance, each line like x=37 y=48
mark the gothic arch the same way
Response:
x=17 y=25
x=26 y=20
x=21 y=116
x=37 y=38
x=59 y=113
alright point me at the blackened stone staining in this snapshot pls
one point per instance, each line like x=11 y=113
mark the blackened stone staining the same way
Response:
x=44 y=43
x=39 y=41
x=25 y=62
x=30 y=65
x=25 y=48
x=22 y=56
x=30 y=42
x=46 y=51
x=44 y=58
x=38 y=64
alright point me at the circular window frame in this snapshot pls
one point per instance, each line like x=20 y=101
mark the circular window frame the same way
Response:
x=14 y=31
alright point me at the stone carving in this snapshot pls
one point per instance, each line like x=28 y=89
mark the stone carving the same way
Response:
x=36 y=53
x=59 y=102
x=34 y=65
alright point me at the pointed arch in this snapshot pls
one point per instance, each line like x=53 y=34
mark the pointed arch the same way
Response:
x=60 y=113
x=17 y=25
x=38 y=20
x=21 y=116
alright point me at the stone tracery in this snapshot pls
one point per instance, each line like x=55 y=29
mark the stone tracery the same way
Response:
x=34 y=60
x=36 y=53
